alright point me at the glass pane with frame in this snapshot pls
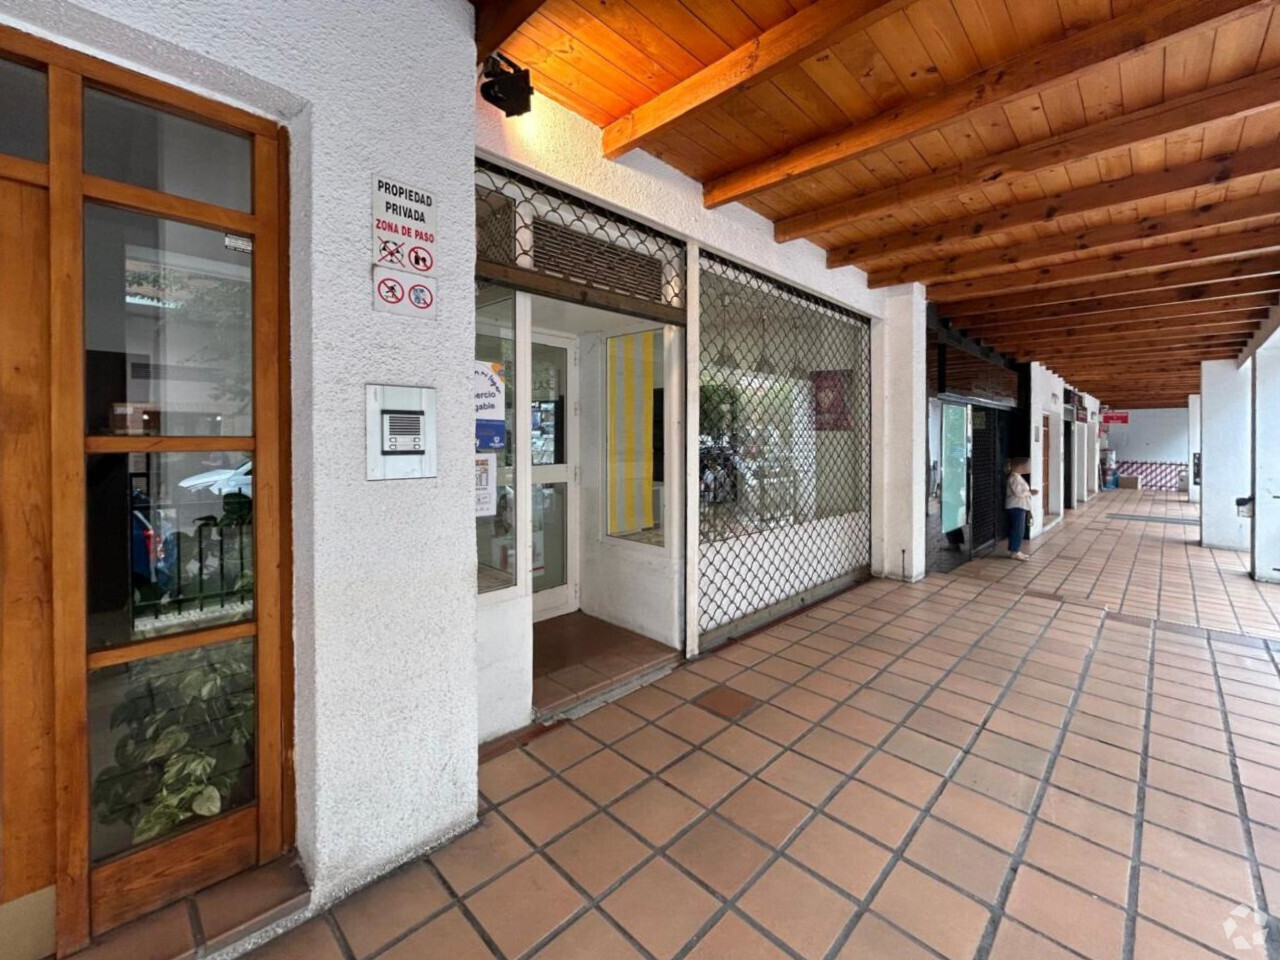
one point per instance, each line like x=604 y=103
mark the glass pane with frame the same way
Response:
x=550 y=535
x=495 y=397
x=171 y=743
x=24 y=107
x=168 y=317
x=634 y=436
x=138 y=144
x=549 y=386
x=170 y=544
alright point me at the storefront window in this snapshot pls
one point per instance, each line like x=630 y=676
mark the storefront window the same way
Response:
x=495 y=427
x=634 y=436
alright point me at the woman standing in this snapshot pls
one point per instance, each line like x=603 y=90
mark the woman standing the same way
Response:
x=1017 y=503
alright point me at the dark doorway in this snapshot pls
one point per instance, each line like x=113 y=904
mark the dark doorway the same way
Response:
x=1068 y=462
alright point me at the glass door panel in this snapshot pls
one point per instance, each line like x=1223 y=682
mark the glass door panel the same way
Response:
x=550 y=535
x=554 y=475
x=955 y=467
x=168 y=328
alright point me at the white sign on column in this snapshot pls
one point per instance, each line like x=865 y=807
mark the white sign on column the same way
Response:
x=404 y=249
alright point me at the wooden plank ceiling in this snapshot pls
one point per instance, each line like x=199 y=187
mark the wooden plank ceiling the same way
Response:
x=1094 y=184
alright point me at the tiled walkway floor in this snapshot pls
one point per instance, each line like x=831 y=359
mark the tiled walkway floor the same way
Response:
x=967 y=767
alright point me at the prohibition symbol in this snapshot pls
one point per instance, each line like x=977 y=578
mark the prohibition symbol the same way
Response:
x=420 y=296
x=391 y=252
x=420 y=259
x=390 y=290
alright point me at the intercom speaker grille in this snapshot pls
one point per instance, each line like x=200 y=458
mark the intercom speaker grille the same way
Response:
x=404 y=424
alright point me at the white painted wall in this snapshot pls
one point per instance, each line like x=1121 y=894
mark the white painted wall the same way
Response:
x=1153 y=435
x=1045 y=387
x=1226 y=393
x=1193 y=445
x=899 y=411
x=386 y=691
x=1266 y=462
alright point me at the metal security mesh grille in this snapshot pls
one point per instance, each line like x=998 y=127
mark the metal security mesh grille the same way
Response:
x=538 y=238
x=985 y=502
x=785 y=449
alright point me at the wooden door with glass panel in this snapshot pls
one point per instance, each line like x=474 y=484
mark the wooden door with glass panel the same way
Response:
x=164 y=504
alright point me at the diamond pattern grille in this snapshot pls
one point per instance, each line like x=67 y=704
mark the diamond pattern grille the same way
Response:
x=532 y=228
x=785 y=448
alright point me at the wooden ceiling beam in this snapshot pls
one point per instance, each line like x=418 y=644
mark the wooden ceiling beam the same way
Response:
x=1005 y=321
x=1087 y=240
x=1099 y=196
x=1235 y=100
x=794 y=40
x=497 y=20
x=1014 y=343
x=1138 y=350
x=1183 y=252
x=1170 y=296
x=1028 y=73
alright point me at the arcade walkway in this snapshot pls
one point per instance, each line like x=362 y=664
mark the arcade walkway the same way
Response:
x=1076 y=757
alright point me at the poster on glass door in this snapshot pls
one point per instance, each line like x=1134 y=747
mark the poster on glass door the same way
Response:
x=491 y=406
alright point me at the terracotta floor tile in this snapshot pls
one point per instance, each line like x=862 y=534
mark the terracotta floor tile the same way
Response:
x=999 y=825
x=1071 y=858
x=753 y=683
x=1066 y=915
x=656 y=812
x=609 y=723
x=523 y=906
x=1206 y=866
x=959 y=859
x=903 y=780
x=651 y=748
x=1015 y=942
x=591 y=937
x=604 y=776
x=166 y=935
x=649 y=702
x=802 y=778
x=1179 y=906
x=661 y=908
x=847 y=859
x=833 y=749
x=508 y=774
x=1153 y=943
x=703 y=777
x=932 y=912
x=765 y=812
x=873 y=939
x=311 y=941
x=716 y=668
x=1102 y=786
x=562 y=747
x=478 y=855
x=546 y=810
x=777 y=725
x=685 y=684
x=597 y=853
x=1104 y=826
x=924 y=751
x=743 y=749
x=797 y=908
x=872 y=812
x=692 y=723
x=726 y=702
x=448 y=937
x=1014 y=754
x=719 y=855
x=999 y=783
x=231 y=909
x=386 y=909
x=734 y=939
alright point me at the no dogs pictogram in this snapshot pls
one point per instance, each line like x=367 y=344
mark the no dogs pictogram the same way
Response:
x=390 y=290
x=391 y=252
x=420 y=259
x=420 y=296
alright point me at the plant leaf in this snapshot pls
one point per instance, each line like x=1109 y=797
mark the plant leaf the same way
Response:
x=207 y=802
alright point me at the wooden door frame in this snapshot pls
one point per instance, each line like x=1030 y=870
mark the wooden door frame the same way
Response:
x=219 y=845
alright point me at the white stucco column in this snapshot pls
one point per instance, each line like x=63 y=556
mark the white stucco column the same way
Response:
x=1193 y=446
x=898 y=425
x=1266 y=462
x=1226 y=393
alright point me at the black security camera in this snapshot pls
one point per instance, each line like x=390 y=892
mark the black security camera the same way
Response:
x=506 y=86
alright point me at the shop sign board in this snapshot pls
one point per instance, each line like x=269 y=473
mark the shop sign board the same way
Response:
x=486 y=484
x=1115 y=416
x=404 y=227
x=404 y=294
x=491 y=406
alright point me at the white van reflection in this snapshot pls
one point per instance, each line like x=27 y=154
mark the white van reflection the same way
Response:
x=222 y=482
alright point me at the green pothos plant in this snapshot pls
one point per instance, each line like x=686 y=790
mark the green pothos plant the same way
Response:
x=186 y=737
